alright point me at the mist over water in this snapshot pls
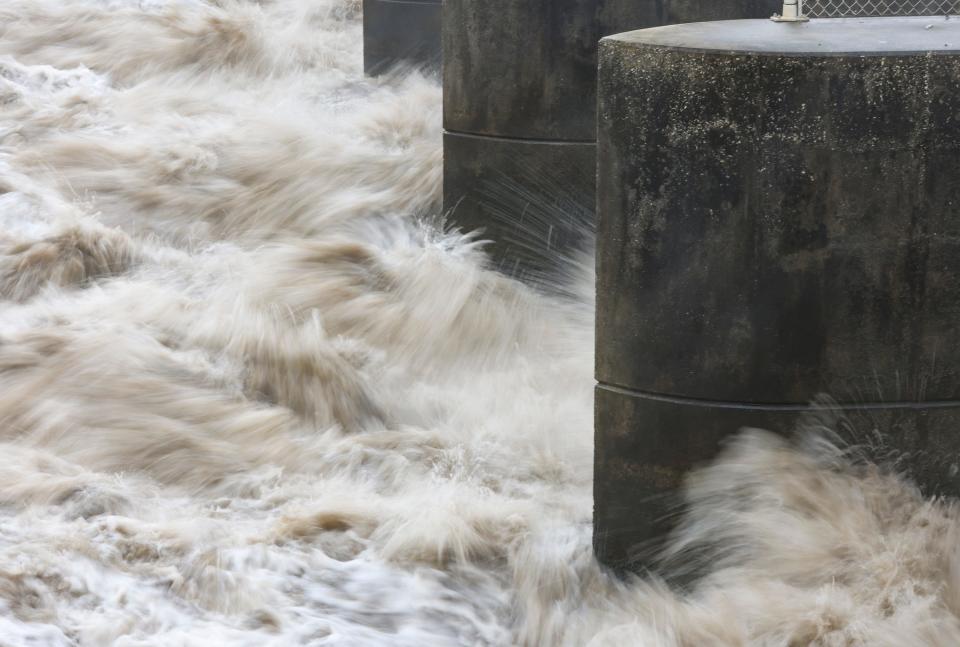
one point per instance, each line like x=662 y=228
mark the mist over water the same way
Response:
x=253 y=393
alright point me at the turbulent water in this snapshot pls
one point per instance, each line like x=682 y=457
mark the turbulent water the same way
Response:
x=253 y=392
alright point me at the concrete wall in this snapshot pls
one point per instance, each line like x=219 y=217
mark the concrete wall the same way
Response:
x=777 y=217
x=520 y=112
x=401 y=31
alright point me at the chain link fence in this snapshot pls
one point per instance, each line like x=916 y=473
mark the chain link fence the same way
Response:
x=860 y=8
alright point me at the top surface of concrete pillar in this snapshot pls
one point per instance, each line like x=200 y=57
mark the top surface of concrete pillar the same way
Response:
x=822 y=37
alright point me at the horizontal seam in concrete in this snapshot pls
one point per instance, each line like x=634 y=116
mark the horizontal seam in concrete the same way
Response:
x=522 y=140
x=775 y=407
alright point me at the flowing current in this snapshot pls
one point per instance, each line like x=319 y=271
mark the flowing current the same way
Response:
x=254 y=392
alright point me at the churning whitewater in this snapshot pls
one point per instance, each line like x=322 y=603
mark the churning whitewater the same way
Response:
x=253 y=391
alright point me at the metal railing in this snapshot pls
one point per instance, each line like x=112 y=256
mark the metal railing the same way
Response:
x=800 y=10
x=860 y=8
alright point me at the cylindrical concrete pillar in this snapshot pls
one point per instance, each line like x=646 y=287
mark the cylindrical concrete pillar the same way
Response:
x=778 y=217
x=401 y=31
x=519 y=85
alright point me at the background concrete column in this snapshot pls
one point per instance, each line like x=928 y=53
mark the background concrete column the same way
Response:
x=520 y=112
x=401 y=31
x=778 y=216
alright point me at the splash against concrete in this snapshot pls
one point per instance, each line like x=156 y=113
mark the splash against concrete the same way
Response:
x=251 y=394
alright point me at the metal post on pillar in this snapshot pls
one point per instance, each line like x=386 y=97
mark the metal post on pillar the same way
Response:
x=792 y=12
x=777 y=219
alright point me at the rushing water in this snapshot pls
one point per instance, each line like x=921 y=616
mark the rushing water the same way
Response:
x=253 y=393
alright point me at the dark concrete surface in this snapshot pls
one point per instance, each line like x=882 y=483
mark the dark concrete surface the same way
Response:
x=528 y=69
x=524 y=74
x=401 y=31
x=772 y=224
x=535 y=199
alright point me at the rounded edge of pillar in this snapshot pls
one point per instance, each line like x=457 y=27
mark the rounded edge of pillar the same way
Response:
x=823 y=37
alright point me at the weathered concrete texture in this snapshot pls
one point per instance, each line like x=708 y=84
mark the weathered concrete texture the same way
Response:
x=535 y=199
x=777 y=218
x=400 y=31
x=526 y=71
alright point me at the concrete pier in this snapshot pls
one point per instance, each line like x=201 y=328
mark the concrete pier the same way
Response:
x=520 y=113
x=777 y=218
x=401 y=31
